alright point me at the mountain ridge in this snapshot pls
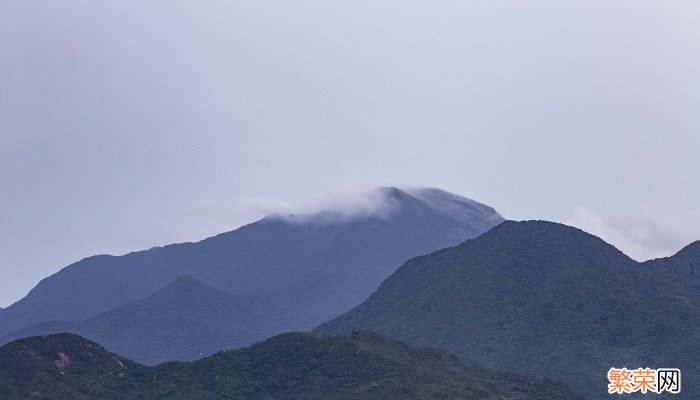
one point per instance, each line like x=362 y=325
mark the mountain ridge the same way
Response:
x=537 y=295
x=362 y=365
x=185 y=320
x=321 y=263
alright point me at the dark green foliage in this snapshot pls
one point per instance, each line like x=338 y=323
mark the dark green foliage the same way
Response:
x=291 y=366
x=543 y=298
x=30 y=369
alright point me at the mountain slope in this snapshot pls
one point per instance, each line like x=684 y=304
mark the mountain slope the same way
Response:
x=276 y=254
x=60 y=367
x=539 y=296
x=680 y=270
x=183 y=321
x=290 y=366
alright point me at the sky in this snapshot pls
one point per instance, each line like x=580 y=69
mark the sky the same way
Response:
x=131 y=124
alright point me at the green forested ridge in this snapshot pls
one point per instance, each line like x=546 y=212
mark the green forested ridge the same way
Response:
x=548 y=299
x=361 y=365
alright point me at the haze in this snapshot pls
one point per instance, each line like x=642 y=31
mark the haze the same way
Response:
x=130 y=124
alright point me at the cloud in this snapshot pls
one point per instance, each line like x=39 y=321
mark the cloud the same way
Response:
x=644 y=234
x=328 y=209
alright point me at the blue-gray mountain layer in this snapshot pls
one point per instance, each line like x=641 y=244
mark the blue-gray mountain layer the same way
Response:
x=319 y=265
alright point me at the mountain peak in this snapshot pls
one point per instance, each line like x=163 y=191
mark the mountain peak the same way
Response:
x=386 y=202
x=455 y=206
x=540 y=234
x=64 y=353
x=187 y=282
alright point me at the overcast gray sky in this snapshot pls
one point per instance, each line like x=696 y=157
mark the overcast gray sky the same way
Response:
x=130 y=124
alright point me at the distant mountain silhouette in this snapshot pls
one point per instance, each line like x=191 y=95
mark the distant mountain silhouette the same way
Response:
x=292 y=366
x=185 y=320
x=547 y=299
x=320 y=264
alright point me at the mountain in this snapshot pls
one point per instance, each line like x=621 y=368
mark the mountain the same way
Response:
x=60 y=367
x=184 y=321
x=291 y=366
x=543 y=298
x=322 y=264
x=680 y=270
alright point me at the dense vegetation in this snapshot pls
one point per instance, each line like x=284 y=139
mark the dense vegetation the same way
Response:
x=62 y=366
x=544 y=298
x=291 y=366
